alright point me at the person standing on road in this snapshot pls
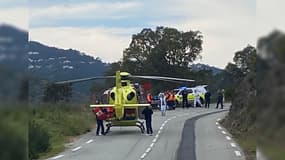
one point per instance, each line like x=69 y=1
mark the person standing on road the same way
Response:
x=149 y=98
x=197 y=102
x=184 y=98
x=163 y=104
x=147 y=112
x=207 y=99
x=99 y=118
x=220 y=100
x=171 y=100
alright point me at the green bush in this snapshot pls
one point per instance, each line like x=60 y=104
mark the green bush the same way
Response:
x=38 y=140
x=13 y=133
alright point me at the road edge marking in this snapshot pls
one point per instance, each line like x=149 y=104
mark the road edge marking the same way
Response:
x=57 y=157
x=76 y=149
x=90 y=141
x=238 y=154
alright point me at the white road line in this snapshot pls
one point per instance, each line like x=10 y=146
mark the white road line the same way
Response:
x=90 y=141
x=224 y=132
x=148 y=149
x=57 y=157
x=238 y=153
x=228 y=138
x=217 y=123
x=151 y=145
x=218 y=119
x=157 y=135
x=219 y=127
x=76 y=149
x=143 y=155
x=233 y=145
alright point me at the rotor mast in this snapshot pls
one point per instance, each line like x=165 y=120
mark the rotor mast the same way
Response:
x=119 y=97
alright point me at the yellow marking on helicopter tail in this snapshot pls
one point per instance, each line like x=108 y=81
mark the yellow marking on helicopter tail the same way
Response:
x=119 y=110
x=102 y=105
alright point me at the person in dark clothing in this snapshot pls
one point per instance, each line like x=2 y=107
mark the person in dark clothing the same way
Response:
x=147 y=112
x=100 y=125
x=184 y=98
x=220 y=100
x=207 y=99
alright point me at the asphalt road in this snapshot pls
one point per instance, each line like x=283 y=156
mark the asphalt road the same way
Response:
x=170 y=132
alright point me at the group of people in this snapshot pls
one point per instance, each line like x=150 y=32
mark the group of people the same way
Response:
x=164 y=103
x=197 y=101
x=167 y=100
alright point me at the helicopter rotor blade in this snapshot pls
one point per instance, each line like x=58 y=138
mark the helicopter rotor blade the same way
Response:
x=83 y=79
x=170 y=79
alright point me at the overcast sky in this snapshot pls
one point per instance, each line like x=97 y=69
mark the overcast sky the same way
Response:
x=103 y=28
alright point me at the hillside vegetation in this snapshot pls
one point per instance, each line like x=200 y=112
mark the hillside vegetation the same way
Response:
x=271 y=96
x=14 y=132
x=257 y=114
x=53 y=125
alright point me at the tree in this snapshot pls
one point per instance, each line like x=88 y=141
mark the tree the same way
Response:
x=245 y=59
x=162 y=50
x=244 y=64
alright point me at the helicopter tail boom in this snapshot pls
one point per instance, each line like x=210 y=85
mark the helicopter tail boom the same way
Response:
x=136 y=105
x=101 y=105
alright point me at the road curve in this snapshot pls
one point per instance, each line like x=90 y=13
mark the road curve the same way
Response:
x=127 y=143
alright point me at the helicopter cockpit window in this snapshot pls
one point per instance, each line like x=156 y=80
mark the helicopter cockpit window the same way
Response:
x=131 y=96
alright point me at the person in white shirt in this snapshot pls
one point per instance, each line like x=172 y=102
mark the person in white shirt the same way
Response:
x=197 y=99
x=162 y=104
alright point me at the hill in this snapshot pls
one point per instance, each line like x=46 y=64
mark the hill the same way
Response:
x=13 y=46
x=54 y=64
x=43 y=63
x=201 y=67
x=57 y=64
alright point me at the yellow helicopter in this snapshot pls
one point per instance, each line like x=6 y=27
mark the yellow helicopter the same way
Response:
x=124 y=100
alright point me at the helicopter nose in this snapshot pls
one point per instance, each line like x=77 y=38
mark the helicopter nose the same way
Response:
x=131 y=95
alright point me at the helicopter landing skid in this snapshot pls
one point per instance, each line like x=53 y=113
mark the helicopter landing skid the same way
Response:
x=139 y=124
x=108 y=125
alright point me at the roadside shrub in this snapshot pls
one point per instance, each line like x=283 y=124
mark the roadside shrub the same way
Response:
x=38 y=140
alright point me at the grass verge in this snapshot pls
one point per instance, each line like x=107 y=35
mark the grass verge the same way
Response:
x=60 y=122
x=273 y=150
x=246 y=141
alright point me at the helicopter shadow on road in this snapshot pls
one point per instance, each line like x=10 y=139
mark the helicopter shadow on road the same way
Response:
x=120 y=131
